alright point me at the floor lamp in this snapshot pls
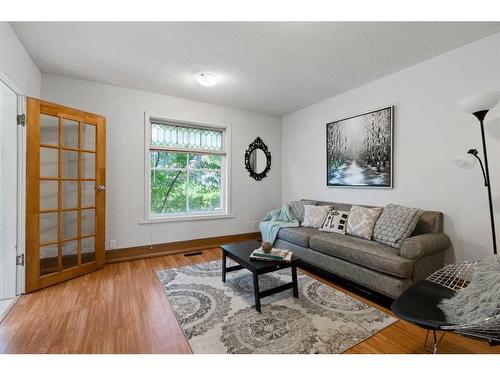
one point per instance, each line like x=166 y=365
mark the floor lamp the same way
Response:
x=479 y=105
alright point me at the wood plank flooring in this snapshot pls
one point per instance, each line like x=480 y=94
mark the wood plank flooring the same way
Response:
x=123 y=309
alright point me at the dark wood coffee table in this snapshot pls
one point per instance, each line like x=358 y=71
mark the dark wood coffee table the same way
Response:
x=240 y=253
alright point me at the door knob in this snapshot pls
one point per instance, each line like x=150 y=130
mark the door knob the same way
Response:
x=100 y=188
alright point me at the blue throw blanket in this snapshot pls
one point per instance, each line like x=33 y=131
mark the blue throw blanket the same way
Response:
x=274 y=220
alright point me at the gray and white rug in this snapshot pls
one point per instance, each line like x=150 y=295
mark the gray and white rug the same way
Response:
x=221 y=318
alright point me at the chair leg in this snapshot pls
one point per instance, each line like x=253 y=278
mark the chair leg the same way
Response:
x=435 y=342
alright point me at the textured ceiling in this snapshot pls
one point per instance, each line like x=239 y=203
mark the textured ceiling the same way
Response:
x=269 y=67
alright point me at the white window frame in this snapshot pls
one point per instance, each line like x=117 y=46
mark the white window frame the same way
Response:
x=225 y=211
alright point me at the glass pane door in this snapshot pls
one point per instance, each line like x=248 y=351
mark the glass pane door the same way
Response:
x=68 y=216
x=67 y=170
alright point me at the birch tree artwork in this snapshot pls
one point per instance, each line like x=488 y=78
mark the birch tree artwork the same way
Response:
x=359 y=150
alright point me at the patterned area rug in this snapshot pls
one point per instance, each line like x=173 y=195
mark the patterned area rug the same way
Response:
x=221 y=318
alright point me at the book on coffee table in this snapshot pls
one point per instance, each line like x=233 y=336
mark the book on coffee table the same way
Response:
x=275 y=255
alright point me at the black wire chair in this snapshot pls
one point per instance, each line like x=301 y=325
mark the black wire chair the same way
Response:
x=419 y=305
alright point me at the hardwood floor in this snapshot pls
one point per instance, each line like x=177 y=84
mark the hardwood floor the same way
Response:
x=123 y=309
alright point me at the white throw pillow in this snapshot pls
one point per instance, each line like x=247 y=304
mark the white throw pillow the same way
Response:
x=335 y=222
x=362 y=221
x=314 y=216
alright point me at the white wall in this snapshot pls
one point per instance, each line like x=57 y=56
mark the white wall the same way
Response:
x=429 y=132
x=124 y=110
x=16 y=64
x=19 y=72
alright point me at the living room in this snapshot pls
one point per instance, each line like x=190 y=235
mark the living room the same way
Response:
x=297 y=186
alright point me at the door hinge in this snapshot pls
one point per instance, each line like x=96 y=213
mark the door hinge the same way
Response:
x=20 y=260
x=21 y=120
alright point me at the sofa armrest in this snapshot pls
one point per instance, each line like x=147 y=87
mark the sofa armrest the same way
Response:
x=424 y=244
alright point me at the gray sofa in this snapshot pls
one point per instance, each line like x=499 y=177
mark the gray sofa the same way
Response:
x=379 y=267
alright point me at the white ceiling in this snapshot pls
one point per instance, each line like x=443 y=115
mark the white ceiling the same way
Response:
x=269 y=67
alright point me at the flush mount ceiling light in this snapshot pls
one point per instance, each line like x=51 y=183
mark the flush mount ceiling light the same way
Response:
x=206 y=79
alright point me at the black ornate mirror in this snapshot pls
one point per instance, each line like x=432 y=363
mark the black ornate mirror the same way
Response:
x=257 y=159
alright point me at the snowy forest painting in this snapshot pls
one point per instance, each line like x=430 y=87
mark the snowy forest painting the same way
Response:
x=359 y=150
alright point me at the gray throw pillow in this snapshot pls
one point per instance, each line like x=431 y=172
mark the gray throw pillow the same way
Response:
x=297 y=208
x=396 y=224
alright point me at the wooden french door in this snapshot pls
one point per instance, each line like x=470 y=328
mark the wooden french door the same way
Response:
x=65 y=193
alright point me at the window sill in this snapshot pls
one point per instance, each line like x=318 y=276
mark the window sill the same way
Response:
x=168 y=219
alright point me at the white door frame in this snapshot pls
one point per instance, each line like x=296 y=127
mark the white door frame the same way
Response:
x=21 y=183
x=21 y=195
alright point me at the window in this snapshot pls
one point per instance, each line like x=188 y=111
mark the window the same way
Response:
x=187 y=169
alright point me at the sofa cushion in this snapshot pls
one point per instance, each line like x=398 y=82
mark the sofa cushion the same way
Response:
x=370 y=254
x=396 y=224
x=298 y=236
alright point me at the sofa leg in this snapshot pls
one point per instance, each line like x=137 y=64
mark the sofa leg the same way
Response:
x=433 y=348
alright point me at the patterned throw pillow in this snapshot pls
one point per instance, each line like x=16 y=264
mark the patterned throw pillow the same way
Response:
x=396 y=224
x=297 y=208
x=314 y=216
x=335 y=222
x=362 y=221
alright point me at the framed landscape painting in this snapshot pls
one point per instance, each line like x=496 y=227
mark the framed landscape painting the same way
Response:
x=359 y=150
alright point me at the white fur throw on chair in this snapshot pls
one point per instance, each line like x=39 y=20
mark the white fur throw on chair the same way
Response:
x=480 y=299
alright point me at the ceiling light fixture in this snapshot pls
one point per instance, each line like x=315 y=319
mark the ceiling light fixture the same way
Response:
x=207 y=79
